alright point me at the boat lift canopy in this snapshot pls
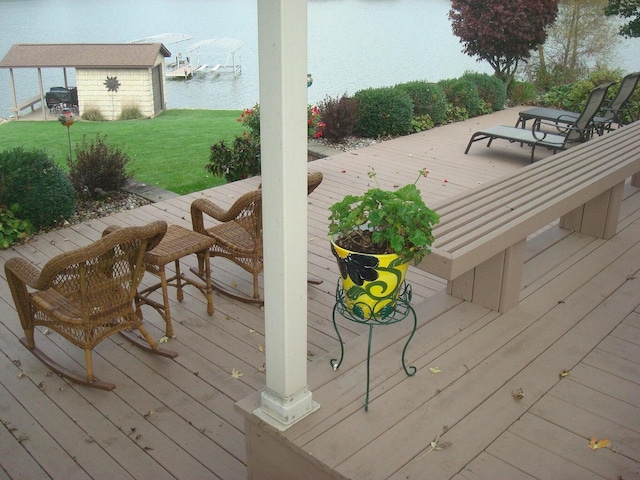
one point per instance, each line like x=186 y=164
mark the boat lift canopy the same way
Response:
x=215 y=47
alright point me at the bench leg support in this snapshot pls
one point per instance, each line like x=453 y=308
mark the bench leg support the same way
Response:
x=598 y=217
x=635 y=180
x=494 y=284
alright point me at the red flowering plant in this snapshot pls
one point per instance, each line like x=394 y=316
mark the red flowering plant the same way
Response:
x=315 y=126
x=250 y=118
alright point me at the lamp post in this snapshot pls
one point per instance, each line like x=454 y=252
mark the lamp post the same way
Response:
x=66 y=119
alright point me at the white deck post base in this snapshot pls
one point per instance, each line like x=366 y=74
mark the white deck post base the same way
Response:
x=280 y=412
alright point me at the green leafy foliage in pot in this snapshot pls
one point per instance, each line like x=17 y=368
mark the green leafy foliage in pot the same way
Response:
x=385 y=221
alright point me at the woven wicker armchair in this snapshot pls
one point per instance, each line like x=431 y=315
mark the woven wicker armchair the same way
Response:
x=238 y=234
x=86 y=295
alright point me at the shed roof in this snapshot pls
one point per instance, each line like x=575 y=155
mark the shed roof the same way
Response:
x=83 y=55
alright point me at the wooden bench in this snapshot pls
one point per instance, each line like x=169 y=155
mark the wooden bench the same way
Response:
x=29 y=103
x=480 y=242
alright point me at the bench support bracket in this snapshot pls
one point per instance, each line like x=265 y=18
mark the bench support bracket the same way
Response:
x=598 y=217
x=494 y=284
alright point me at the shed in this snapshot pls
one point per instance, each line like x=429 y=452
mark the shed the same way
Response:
x=110 y=77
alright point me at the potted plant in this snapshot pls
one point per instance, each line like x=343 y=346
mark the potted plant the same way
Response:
x=374 y=237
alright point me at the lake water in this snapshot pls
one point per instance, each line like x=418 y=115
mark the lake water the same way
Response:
x=353 y=44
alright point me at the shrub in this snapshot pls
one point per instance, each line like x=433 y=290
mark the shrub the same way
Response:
x=574 y=96
x=428 y=99
x=522 y=93
x=235 y=162
x=340 y=117
x=34 y=181
x=315 y=125
x=491 y=89
x=98 y=168
x=132 y=112
x=93 y=115
x=250 y=118
x=383 y=111
x=12 y=229
x=420 y=123
x=462 y=93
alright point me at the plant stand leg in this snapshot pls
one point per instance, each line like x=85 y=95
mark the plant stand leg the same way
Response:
x=335 y=364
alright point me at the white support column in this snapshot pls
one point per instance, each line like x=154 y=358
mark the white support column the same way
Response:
x=282 y=40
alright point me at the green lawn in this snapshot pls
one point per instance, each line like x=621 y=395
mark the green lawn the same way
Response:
x=169 y=151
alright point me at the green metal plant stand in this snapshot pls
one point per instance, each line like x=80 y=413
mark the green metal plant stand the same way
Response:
x=387 y=316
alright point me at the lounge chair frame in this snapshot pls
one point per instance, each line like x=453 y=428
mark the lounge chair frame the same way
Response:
x=613 y=112
x=579 y=131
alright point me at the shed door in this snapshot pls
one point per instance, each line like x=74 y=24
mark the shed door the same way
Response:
x=158 y=93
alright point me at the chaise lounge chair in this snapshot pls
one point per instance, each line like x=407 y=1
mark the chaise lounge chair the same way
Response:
x=577 y=132
x=616 y=111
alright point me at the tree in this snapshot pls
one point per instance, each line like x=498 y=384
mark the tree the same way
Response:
x=502 y=32
x=580 y=38
x=626 y=9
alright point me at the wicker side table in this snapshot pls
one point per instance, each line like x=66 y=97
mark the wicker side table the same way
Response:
x=177 y=243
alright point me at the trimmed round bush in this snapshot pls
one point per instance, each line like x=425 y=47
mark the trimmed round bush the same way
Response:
x=491 y=89
x=33 y=181
x=383 y=111
x=462 y=93
x=428 y=99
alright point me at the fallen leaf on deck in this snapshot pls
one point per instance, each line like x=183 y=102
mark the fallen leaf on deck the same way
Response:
x=436 y=445
x=164 y=339
x=435 y=370
x=235 y=373
x=260 y=348
x=564 y=373
x=234 y=284
x=604 y=443
x=518 y=394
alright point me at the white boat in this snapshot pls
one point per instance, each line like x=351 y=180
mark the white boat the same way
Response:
x=223 y=53
x=180 y=67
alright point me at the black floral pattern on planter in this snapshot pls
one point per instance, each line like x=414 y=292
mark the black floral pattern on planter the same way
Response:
x=358 y=267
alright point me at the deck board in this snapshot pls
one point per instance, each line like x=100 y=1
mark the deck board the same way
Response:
x=176 y=418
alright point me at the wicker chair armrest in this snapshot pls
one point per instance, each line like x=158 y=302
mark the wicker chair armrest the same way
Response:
x=110 y=229
x=203 y=206
x=25 y=272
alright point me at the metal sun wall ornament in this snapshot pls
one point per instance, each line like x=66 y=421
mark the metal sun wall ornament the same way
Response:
x=112 y=84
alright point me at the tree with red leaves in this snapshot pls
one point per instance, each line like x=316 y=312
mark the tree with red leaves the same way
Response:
x=502 y=32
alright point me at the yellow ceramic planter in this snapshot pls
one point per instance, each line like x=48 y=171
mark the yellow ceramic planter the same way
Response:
x=371 y=282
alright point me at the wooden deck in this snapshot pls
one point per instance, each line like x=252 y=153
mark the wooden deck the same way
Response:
x=579 y=312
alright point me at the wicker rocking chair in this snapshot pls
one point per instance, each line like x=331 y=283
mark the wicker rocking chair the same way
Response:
x=86 y=295
x=238 y=235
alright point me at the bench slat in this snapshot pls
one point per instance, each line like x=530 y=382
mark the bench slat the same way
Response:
x=477 y=225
